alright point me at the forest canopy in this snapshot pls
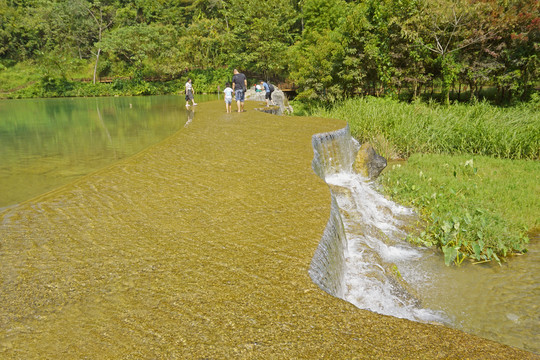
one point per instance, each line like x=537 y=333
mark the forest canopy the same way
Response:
x=329 y=48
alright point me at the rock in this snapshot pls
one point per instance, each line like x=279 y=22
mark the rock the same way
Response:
x=253 y=95
x=368 y=163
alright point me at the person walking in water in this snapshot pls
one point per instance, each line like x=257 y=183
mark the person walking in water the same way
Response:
x=239 y=86
x=228 y=97
x=189 y=94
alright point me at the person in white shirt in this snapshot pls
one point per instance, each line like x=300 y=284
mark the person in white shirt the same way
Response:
x=189 y=94
x=228 y=97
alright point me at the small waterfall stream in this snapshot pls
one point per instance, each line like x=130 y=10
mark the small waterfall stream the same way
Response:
x=364 y=259
x=362 y=265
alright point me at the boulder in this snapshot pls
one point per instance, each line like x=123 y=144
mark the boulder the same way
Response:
x=280 y=103
x=368 y=163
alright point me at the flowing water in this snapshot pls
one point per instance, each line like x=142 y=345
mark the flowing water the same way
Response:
x=199 y=246
x=385 y=274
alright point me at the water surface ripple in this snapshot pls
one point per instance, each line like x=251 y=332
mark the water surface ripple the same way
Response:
x=198 y=247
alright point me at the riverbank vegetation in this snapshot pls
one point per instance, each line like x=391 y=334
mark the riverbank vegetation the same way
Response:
x=472 y=171
x=330 y=49
x=22 y=81
x=422 y=52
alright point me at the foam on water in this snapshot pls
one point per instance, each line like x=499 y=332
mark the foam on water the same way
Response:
x=373 y=230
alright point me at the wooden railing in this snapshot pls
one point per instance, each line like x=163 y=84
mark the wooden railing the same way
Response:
x=286 y=86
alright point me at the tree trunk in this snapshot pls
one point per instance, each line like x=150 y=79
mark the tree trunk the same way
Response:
x=96 y=65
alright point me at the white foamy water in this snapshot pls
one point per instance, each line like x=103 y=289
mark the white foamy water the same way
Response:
x=363 y=257
x=376 y=253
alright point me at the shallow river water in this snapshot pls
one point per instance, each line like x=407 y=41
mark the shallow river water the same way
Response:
x=46 y=143
x=384 y=273
x=197 y=247
x=387 y=275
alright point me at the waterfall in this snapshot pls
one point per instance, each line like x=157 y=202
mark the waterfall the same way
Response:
x=362 y=248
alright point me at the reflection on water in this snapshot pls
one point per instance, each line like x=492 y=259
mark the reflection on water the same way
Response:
x=49 y=142
x=190 y=115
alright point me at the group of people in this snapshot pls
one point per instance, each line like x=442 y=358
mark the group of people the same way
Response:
x=239 y=87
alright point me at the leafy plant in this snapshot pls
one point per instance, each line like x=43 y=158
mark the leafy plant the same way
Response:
x=462 y=207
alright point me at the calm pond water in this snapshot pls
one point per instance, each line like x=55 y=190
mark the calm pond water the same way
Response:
x=46 y=143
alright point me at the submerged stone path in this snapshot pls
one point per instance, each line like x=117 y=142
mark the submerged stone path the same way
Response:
x=197 y=248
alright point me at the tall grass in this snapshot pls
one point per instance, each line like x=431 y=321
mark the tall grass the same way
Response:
x=472 y=172
x=481 y=129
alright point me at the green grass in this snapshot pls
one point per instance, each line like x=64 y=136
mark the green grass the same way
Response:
x=472 y=171
x=399 y=129
x=473 y=206
x=17 y=76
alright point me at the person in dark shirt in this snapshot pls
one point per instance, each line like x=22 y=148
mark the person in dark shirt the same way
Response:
x=239 y=85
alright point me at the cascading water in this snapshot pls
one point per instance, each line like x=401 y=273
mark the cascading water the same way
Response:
x=359 y=253
x=362 y=258
x=376 y=253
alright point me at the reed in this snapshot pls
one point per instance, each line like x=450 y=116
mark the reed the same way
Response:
x=472 y=171
x=480 y=128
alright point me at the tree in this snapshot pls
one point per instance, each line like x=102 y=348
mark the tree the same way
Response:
x=103 y=17
x=316 y=58
x=446 y=27
x=145 y=47
x=204 y=44
x=261 y=32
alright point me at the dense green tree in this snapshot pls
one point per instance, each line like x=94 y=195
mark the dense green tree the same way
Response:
x=205 y=44
x=21 y=31
x=446 y=27
x=262 y=31
x=329 y=48
x=145 y=48
x=316 y=59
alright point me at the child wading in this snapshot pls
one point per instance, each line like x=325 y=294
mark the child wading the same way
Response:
x=228 y=97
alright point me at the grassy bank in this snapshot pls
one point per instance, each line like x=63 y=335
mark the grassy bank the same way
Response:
x=28 y=80
x=400 y=129
x=472 y=171
x=473 y=206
